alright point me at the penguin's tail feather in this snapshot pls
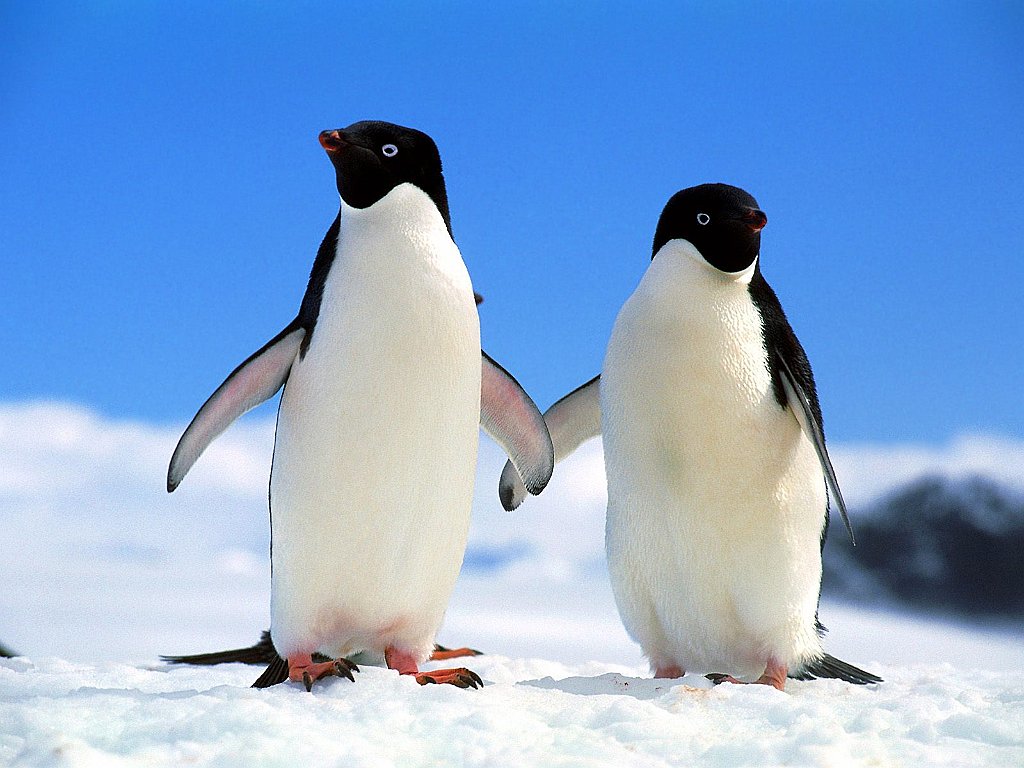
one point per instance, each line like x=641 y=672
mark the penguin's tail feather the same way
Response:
x=276 y=672
x=830 y=667
x=261 y=653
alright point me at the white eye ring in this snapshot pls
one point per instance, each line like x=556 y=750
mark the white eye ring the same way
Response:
x=703 y=218
x=389 y=150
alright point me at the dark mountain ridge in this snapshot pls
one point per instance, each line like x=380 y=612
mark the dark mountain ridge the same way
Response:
x=938 y=545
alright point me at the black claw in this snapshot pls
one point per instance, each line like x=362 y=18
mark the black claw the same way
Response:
x=341 y=669
x=307 y=680
x=467 y=678
x=716 y=677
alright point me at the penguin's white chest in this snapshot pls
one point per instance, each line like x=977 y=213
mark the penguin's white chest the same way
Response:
x=715 y=498
x=376 y=442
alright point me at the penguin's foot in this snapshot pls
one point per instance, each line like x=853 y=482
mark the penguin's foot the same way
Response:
x=460 y=677
x=717 y=678
x=303 y=668
x=443 y=654
x=669 y=673
x=405 y=664
x=774 y=675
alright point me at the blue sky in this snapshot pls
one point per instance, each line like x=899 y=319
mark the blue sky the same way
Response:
x=164 y=193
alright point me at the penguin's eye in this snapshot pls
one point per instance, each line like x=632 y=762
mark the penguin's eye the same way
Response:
x=389 y=150
x=703 y=218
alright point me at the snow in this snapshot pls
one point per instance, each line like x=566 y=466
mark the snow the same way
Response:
x=102 y=571
x=530 y=713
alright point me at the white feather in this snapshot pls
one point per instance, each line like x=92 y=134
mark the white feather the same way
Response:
x=715 y=496
x=377 y=440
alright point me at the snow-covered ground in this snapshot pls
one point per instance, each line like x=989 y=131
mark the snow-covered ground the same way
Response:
x=101 y=571
x=529 y=713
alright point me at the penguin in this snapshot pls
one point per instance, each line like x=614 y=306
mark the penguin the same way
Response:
x=384 y=390
x=718 y=475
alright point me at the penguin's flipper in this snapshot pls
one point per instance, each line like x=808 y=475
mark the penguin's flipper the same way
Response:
x=571 y=421
x=830 y=667
x=800 y=405
x=255 y=380
x=261 y=653
x=511 y=417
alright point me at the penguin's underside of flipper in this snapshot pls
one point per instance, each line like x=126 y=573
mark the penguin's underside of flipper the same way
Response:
x=507 y=413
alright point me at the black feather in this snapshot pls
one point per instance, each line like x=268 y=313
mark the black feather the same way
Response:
x=276 y=672
x=784 y=349
x=309 y=310
x=261 y=653
x=831 y=667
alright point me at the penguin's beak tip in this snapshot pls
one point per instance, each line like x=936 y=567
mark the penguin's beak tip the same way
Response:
x=332 y=141
x=755 y=219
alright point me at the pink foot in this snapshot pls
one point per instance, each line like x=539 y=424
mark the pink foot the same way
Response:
x=717 y=679
x=405 y=664
x=774 y=675
x=460 y=677
x=303 y=668
x=670 y=672
x=443 y=654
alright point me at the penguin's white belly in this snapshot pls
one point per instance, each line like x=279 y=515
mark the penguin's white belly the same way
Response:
x=376 y=449
x=716 y=499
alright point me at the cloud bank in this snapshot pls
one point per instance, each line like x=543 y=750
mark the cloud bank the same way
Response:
x=99 y=562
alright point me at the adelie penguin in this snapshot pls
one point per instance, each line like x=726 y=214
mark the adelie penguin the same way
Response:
x=718 y=477
x=385 y=388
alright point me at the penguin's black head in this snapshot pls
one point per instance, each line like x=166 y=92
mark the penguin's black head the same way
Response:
x=722 y=222
x=371 y=158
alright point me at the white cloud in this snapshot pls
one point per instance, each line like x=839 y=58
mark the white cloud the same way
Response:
x=867 y=471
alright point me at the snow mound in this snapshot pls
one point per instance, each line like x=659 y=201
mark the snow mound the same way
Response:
x=530 y=713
